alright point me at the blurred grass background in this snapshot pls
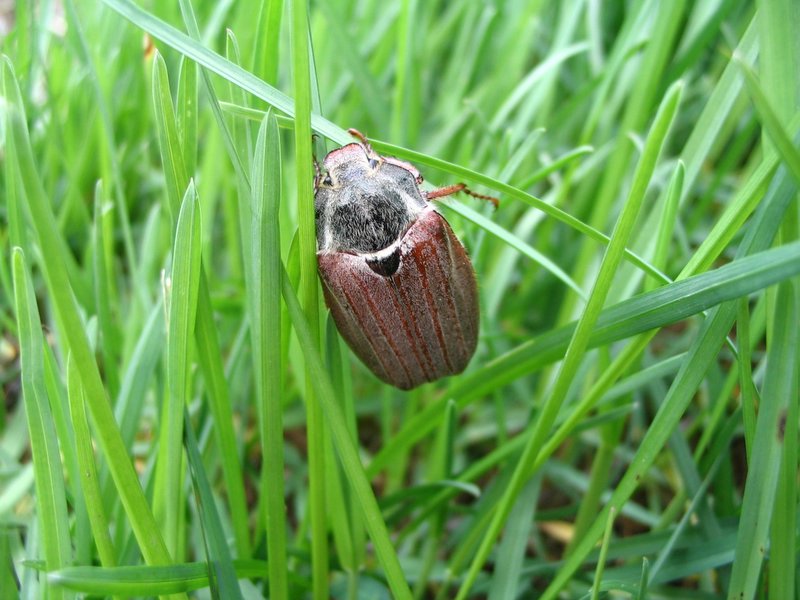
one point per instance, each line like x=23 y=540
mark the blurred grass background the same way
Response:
x=180 y=416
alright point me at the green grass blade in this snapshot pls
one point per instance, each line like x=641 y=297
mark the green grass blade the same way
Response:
x=509 y=581
x=88 y=469
x=772 y=123
x=130 y=581
x=601 y=561
x=516 y=243
x=172 y=153
x=242 y=134
x=217 y=64
x=580 y=339
x=267 y=50
x=144 y=357
x=73 y=332
x=50 y=492
x=209 y=356
x=103 y=288
x=222 y=575
x=181 y=301
x=301 y=77
x=765 y=463
x=401 y=96
x=265 y=328
x=779 y=58
x=783 y=550
x=665 y=233
x=187 y=113
x=746 y=377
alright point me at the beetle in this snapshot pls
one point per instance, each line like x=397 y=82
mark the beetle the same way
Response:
x=398 y=282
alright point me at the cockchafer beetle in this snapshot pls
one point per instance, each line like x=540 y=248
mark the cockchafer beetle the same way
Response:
x=398 y=282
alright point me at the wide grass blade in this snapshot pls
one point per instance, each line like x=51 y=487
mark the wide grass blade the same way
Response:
x=181 y=301
x=265 y=333
x=309 y=295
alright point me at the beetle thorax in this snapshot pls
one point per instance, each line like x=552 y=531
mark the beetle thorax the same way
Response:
x=366 y=210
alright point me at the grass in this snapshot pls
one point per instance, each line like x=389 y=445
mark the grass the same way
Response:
x=179 y=412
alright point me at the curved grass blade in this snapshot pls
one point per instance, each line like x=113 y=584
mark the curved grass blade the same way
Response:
x=540 y=429
x=505 y=189
x=74 y=333
x=759 y=235
x=50 y=491
x=309 y=290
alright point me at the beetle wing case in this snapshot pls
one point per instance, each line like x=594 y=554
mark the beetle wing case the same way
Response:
x=418 y=321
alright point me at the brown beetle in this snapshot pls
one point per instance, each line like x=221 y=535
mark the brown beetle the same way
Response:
x=397 y=281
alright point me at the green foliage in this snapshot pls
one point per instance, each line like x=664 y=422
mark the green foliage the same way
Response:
x=179 y=412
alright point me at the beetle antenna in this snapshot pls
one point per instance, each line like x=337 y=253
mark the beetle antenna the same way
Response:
x=448 y=190
x=364 y=141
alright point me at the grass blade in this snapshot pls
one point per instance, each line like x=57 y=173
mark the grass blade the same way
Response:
x=50 y=492
x=181 y=302
x=765 y=463
x=74 y=333
x=265 y=328
x=88 y=469
x=309 y=295
x=221 y=573
x=580 y=339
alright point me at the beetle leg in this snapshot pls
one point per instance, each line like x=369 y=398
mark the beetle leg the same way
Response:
x=317 y=170
x=459 y=187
